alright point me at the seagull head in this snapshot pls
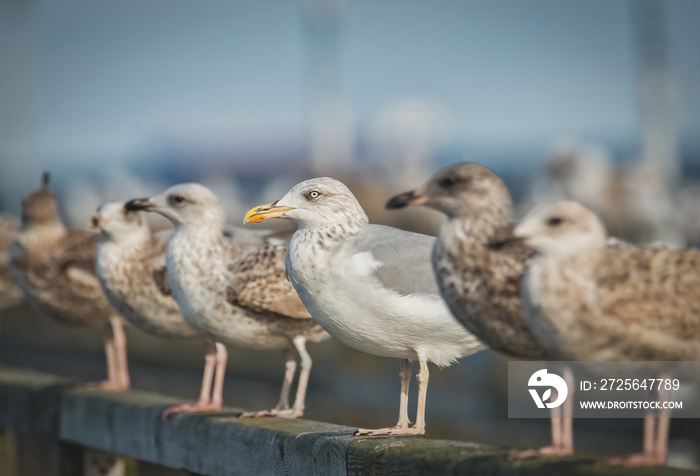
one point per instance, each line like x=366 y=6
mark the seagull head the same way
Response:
x=313 y=203
x=40 y=209
x=466 y=189
x=564 y=229
x=116 y=221
x=186 y=205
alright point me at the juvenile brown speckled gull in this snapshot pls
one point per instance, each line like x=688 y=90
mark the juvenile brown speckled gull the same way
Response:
x=54 y=266
x=232 y=294
x=478 y=265
x=370 y=286
x=130 y=265
x=587 y=301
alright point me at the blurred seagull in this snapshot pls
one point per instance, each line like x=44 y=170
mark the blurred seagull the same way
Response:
x=54 y=266
x=235 y=294
x=586 y=301
x=369 y=286
x=10 y=294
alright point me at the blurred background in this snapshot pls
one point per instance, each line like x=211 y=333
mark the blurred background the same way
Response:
x=597 y=100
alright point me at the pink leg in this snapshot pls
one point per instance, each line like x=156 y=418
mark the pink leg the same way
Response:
x=110 y=354
x=299 y=406
x=402 y=427
x=562 y=427
x=655 y=437
x=663 y=427
x=404 y=421
x=649 y=433
x=290 y=369
x=121 y=354
x=217 y=398
x=204 y=402
x=567 y=423
x=282 y=408
x=648 y=456
x=113 y=382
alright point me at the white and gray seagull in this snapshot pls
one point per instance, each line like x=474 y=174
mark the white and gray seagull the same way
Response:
x=369 y=286
x=232 y=293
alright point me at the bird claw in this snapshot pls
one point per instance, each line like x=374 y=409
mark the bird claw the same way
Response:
x=395 y=431
x=104 y=386
x=638 y=459
x=190 y=408
x=289 y=413
x=545 y=451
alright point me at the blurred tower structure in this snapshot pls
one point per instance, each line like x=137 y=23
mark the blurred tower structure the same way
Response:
x=659 y=137
x=404 y=137
x=331 y=137
x=19 y=151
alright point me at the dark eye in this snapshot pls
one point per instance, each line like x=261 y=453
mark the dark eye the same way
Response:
x=451 y=181
x=314 y=194
x=554 y=221
x=177 y=199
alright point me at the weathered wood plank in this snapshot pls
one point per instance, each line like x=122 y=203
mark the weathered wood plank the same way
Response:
x=129 y=424
x=30 y=401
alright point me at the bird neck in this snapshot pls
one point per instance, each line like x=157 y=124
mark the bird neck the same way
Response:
x=130 y=245
x=582 y=265
x=336 y=233
x=38 y=237
x=190 y=243
x=474 y=231
x=210 y=234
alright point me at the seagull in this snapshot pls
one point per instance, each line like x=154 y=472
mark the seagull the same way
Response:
x=54 y=266
x=478 y=265
x=234 y=294
x=130 y=265
x=582 y=295
x=369 y=286
x=10 y=294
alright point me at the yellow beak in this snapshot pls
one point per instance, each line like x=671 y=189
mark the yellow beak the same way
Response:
x=264 y=212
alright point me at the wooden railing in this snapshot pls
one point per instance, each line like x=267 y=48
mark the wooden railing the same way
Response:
x=50 y=428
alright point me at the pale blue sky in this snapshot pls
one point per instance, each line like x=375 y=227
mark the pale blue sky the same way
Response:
x=112 y=77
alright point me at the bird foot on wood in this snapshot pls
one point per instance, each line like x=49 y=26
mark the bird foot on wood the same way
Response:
x=395 y=431
x=191 y=408
x=104 y=386
x=639 y=459
x=545 y=451
x=290 y=413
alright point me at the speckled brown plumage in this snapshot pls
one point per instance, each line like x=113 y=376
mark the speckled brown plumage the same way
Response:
x=487 y=299
x=260 y=283
x=477 y=265
x=131 y=269
x=54 y=266
x=589 y=301
x=10 y=294
x=232 y=290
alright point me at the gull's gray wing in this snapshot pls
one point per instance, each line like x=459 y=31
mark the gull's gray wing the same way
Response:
x=405 y=258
